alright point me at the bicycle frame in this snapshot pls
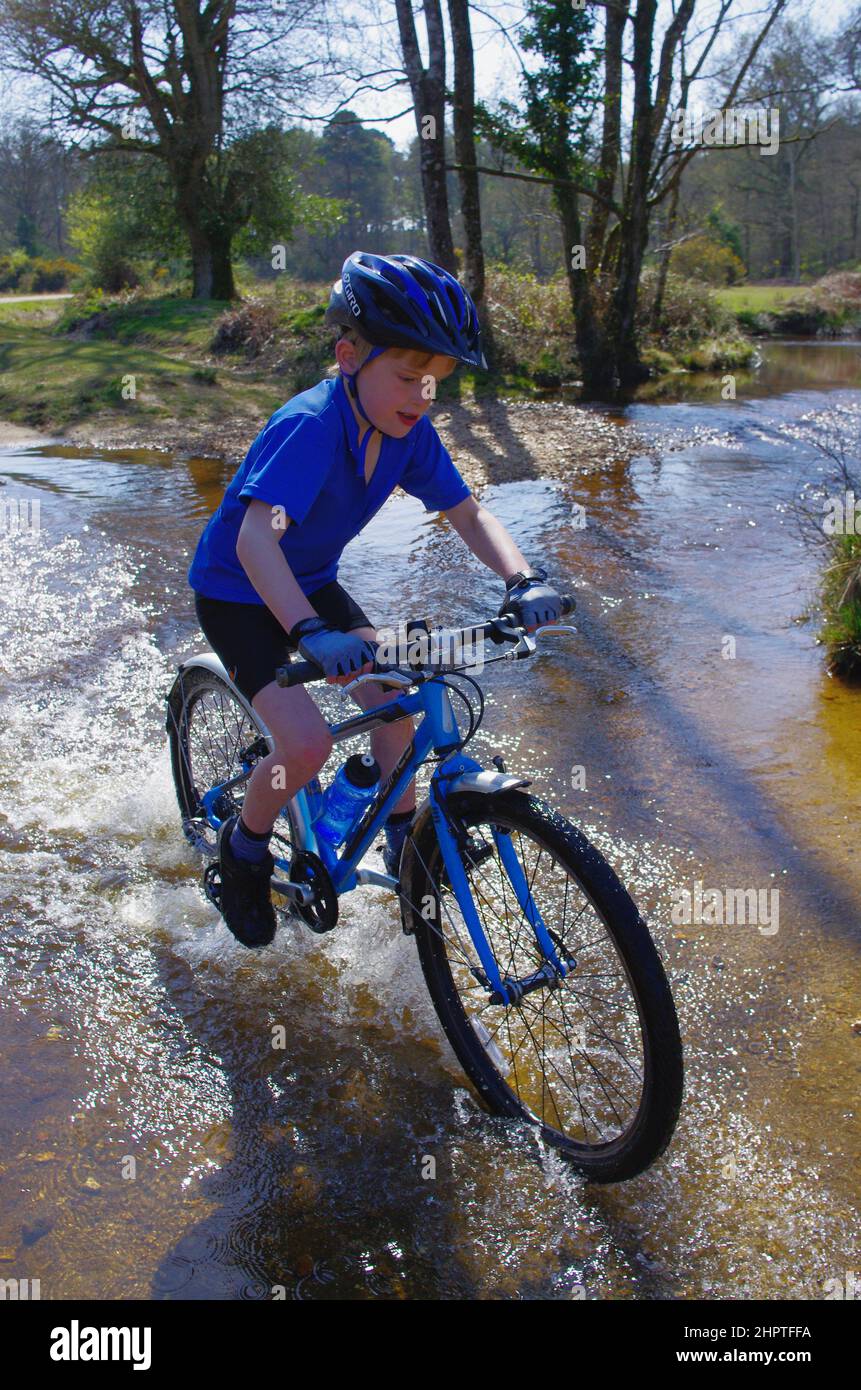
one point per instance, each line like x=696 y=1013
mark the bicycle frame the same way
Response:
x=436 y=732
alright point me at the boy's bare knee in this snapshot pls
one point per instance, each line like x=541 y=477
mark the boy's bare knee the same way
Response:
x=307 y=756
x=316 y=750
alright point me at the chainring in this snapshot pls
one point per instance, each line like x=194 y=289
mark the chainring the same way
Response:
x=321 y=915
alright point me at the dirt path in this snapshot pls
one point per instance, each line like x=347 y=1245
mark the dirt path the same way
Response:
x=12 y=435
x=32 y=298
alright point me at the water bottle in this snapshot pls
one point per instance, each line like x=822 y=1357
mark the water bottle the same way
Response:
x=353 y=788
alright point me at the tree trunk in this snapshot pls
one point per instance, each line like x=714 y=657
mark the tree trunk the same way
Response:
x=664 y=263
x=464 y=146
x=793 y=220
x=610 y=133
x=209 y=241
x=622 y=325
x=595 y=366
x=223 y=283
x=428 y=92
x=629 y=369
x=465 y=156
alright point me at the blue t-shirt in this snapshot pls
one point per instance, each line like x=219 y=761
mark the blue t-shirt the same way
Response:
x=306 y=460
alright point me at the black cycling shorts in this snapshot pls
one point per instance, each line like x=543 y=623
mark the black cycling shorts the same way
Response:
x=251 y=642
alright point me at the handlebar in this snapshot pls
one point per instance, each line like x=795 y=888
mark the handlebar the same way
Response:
x=497 y=630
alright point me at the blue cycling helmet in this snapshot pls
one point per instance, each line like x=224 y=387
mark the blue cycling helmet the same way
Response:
x=401 y=301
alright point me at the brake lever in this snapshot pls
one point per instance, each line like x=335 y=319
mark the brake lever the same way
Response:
x=395 y=678
x=525 y=646
x=554 y=627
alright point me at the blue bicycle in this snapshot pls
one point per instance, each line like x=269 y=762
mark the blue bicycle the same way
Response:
x=540 y=967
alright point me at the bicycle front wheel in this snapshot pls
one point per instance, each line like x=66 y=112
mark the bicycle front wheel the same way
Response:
x=594 y=1060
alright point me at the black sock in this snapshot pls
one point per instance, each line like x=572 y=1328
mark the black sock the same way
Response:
x=249 y=844
x=253 y=834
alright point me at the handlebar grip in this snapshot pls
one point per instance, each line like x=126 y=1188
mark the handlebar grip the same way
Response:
x=298 y=673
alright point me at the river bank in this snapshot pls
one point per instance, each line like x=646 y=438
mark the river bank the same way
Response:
x=202 y=378
x=492 y=441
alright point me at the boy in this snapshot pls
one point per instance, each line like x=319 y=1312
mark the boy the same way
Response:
x=264 y=572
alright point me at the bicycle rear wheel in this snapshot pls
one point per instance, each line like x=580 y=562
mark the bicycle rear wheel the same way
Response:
x=594 y=1060
x=213 y=738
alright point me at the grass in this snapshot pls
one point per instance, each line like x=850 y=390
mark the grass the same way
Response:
x=841 y=596
x=761 y=299
x=51 y=379
x=65 y=361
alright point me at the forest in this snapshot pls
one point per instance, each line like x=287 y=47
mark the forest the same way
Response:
x=183 y=141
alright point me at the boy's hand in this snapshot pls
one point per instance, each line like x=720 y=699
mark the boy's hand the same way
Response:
x=340 y=655
x=531 y=599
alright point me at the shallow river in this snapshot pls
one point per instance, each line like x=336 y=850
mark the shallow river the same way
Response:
x=153 y=1145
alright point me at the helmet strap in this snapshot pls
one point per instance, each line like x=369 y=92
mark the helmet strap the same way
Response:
x=353 y=388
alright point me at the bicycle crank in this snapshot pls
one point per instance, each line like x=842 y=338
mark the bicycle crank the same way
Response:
x=321 y=912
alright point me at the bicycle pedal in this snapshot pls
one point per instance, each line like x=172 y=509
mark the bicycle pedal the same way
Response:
x=212 y=883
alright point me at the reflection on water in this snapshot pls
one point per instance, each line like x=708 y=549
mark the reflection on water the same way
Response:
x=153 y=1143
x=811 y=364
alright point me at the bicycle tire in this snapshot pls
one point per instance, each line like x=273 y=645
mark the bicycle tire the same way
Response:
x=196 y=685
x=652 y=1124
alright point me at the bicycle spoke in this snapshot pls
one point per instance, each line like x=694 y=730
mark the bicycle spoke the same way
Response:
x=218 y=741
x=573 y=1090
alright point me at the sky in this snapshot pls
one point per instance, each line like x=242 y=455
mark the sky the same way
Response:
x=497 y=68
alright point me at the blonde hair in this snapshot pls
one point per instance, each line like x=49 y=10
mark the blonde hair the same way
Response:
x=363 y=348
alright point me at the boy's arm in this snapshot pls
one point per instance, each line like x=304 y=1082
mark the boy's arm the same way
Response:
x=528 y=596
x=487 y=538
x=264 y=562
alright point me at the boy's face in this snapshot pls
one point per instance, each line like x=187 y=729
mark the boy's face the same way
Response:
x=396 y=391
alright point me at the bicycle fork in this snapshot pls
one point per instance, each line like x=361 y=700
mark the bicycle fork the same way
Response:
x=508 y=990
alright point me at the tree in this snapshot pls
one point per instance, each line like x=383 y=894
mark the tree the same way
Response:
x=793 y=73
x=36 y=174
x=549 y=134
x=357 y=169
x=702 y=258
x=124 y=214
x=183 y=81
x=629 y=172
x=849 y=51
x=463 y=108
